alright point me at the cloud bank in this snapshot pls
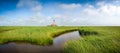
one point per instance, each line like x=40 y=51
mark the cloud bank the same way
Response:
x=74 y=14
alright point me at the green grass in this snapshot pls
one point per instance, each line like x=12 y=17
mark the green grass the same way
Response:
x=36 y=35
x=95 y=39
x=107 y=41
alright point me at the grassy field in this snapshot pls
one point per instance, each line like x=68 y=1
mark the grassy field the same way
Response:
x=106 y=41
x=95 y=39
x=35 y=35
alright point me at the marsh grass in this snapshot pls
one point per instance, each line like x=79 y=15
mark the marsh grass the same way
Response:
x=37 y=35
x=94 y=39
x=86 y=33
x=107 y=41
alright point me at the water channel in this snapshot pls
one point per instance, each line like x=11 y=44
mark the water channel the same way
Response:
x=57 y=46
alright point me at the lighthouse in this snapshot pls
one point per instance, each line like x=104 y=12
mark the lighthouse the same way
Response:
x=54 y=23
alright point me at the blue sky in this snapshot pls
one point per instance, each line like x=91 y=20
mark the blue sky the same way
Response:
x=65 y=12
x=10 y=5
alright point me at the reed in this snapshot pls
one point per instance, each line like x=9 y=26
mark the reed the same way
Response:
x=107 y=41
x=35 y=35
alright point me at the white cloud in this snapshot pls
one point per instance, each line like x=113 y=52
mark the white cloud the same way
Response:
x=29 y=21
x=20 y=3
x=37 y=8
x=31 y=4
x=69 y=6
x=103 y=14
x=99 y=14
x=35 y=18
